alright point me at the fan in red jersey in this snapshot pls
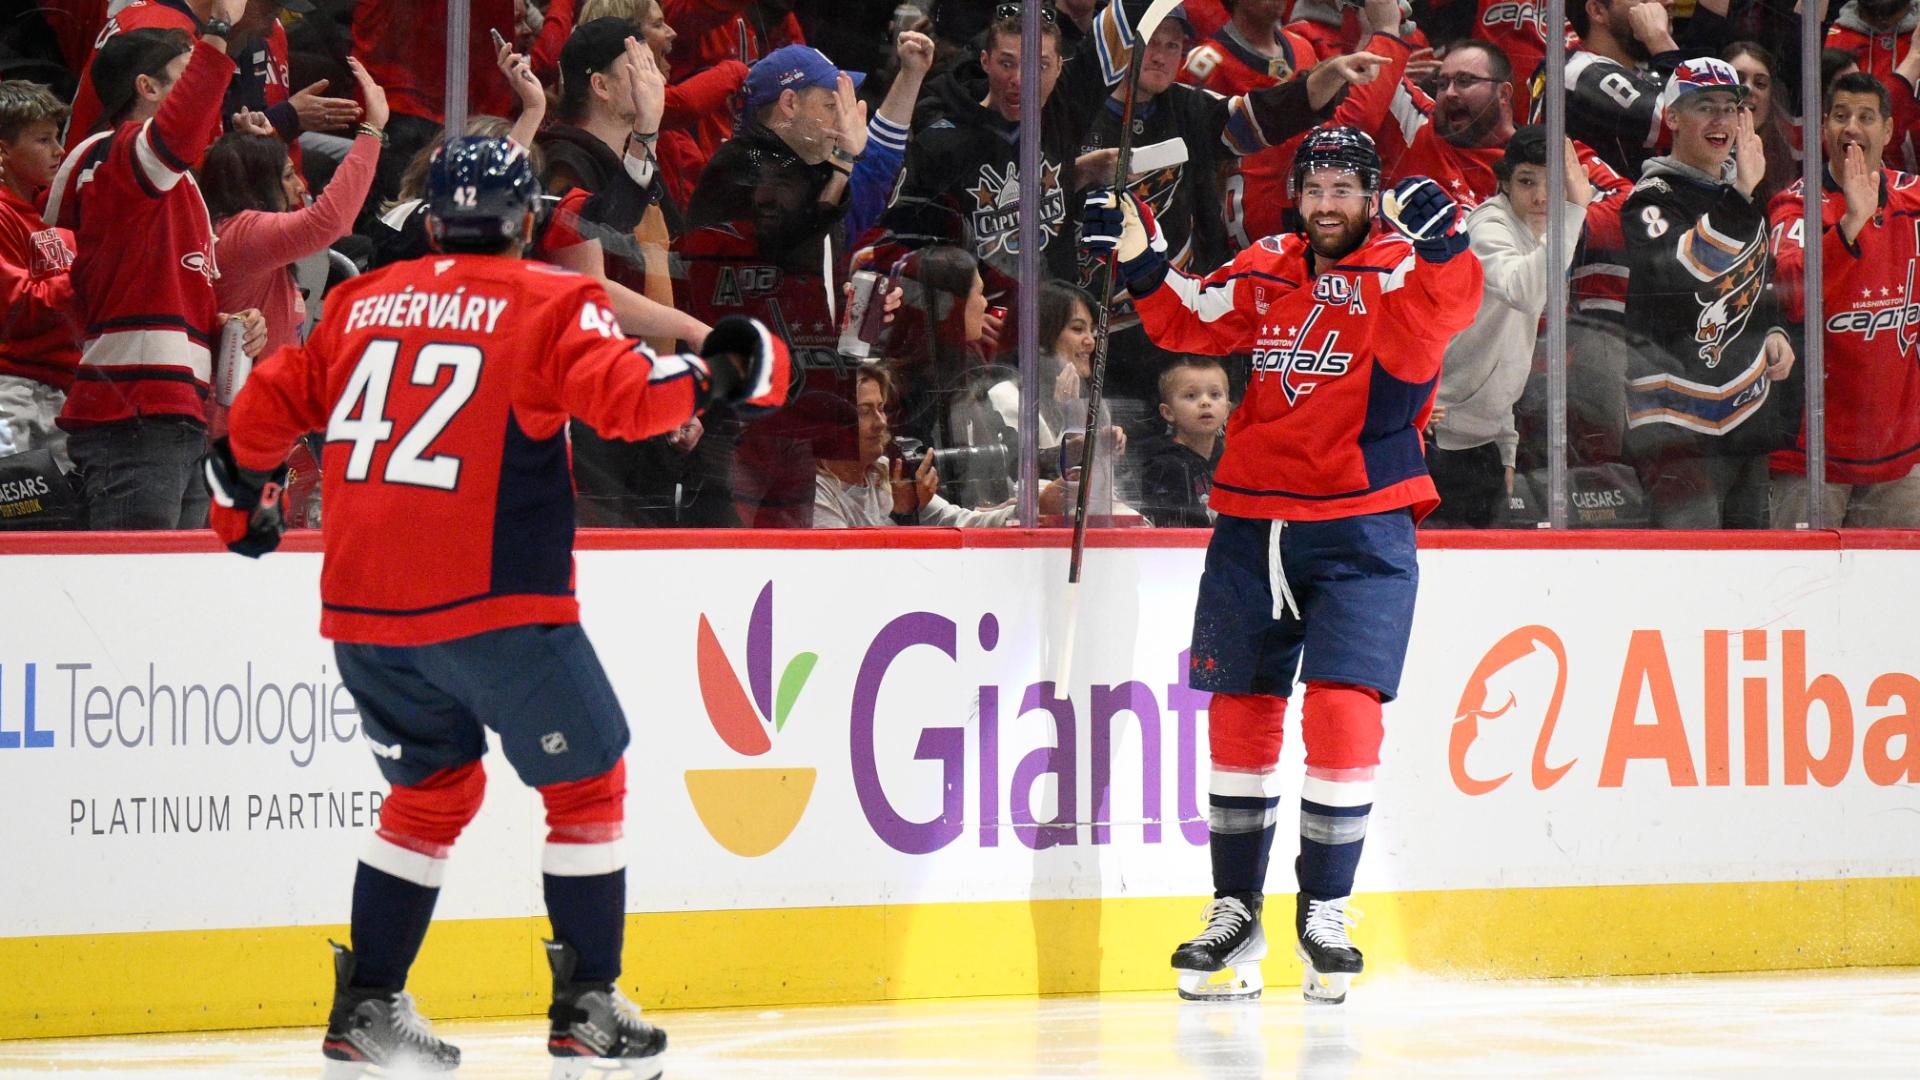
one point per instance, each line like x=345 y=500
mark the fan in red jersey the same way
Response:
x=1870 y=245
x=443 y=386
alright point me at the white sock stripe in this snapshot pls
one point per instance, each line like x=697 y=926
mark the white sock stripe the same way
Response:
x=1336 y=792
x=407 y=865
x=582 y=860
x=1264 y=784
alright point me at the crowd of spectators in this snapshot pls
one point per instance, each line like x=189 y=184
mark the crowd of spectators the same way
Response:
x=181 y=181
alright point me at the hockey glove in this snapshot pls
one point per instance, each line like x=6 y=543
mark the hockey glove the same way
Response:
x=1421 y=211
x=1125 y=226
x=747 y=365
x=246 y=505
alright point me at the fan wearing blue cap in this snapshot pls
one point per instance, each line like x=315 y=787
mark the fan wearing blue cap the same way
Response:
x=787 y=167
x=793 y=91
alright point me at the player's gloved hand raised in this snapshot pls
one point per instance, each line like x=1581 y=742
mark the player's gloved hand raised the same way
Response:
x=747 y=365
x=246 y=505
x=1420 y=210
x=1119 y=223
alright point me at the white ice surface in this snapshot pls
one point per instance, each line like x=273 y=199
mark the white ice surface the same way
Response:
x=1810 y=1024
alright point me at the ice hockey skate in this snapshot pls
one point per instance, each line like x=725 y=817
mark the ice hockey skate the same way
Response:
x=596 y=1031
x=369 y=1028
x=1327 y=954
x=1233 y=942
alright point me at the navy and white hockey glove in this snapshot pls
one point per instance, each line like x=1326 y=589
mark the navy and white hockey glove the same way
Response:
x=1123 y=225
x=1420 y=210
x=246 y=505
x=747 y=366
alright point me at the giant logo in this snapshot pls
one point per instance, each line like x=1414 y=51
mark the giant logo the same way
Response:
x=750 y=811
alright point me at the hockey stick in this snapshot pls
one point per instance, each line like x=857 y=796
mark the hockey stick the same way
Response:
x=1156 y=13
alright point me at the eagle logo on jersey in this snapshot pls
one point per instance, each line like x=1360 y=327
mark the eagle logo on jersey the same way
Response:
x=1728 y=301
x=1301 y=368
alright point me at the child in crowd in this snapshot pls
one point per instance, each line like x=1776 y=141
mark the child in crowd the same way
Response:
x=39 y=339
x=1176 y=471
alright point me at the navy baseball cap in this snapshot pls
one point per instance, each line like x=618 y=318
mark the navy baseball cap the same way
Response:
x=792 y=67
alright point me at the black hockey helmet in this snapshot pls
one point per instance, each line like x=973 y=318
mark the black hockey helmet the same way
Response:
x=1338 y=148
x=478 y=192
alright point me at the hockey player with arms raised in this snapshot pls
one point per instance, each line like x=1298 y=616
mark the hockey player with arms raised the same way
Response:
x=1311 y=569
x=444 y=386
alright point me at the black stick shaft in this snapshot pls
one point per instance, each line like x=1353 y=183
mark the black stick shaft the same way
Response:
x=1097 y=377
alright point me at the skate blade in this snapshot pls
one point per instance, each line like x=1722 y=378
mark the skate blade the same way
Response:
x=607 y=1068
x=367 y=1070
x=1242 y=982
x=1322 y=987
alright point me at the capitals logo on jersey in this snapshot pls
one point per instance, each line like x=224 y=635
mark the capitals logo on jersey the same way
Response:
x=1870 y=318
x=1302 y=367
x=996 y=214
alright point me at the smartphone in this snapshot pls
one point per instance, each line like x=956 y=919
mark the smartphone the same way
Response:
x=874 y=319
x=499 y=40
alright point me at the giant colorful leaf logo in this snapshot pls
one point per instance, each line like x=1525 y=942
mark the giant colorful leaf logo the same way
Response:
x=740 y=722
x=749 y=811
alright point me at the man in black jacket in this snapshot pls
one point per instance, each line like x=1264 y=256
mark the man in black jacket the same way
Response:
x=1702 y=408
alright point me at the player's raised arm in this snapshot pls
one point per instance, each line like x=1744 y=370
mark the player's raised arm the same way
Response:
x=624 y=390
x=1179 y=312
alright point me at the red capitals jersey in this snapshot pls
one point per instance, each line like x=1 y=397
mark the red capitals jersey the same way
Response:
x=145 y=266
x=1344 y=369
x=1519 y=28
x=1254 y=200
x=265 y=63
x=444 y=385
x=1399 y=117
x=39 y=337
x=1872 y=301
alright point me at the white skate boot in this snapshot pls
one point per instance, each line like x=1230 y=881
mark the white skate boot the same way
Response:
x=1233 y=942
x=1329 y=956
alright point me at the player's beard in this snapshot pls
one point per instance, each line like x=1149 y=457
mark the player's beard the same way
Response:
x=1337 y=245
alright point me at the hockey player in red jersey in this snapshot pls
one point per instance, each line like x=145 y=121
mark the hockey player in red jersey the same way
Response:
x=1870 y=248
x=443 y=387
x=1312 y=558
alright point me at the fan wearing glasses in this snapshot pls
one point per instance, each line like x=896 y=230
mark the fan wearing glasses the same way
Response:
x=1457 y=136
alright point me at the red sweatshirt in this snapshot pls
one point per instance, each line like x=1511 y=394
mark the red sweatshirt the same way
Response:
x=39 y=331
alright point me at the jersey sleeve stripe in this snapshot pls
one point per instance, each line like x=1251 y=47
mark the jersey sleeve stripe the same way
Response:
x=159 y=143
x=1209 y=302
x=156 y=175
x=1113 y=42
x=1243 y=134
